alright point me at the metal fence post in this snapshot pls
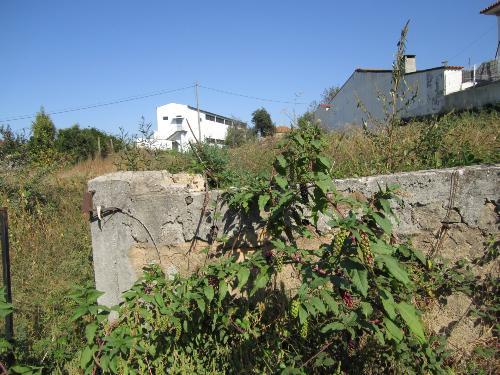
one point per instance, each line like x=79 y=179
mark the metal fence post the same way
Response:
x=4 y=234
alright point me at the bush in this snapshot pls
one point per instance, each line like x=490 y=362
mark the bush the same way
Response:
x=352 y=310
x=81 y=144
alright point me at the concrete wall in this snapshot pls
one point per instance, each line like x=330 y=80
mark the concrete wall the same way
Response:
x=474 y=97
x=153 y=216
x=366 y=87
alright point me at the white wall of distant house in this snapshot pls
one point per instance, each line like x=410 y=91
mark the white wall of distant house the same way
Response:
x=174 y=122
x=367 y=90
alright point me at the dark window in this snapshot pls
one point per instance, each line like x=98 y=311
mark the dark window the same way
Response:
x=165 y=117
x=219 y=120
x=229 y=122
x=210 y=117
x=177 y=120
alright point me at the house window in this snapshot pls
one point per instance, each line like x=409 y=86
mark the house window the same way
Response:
x=165 y=117
x=219 y=120
x=229 y=122
x=177 y=120
x=210 y=117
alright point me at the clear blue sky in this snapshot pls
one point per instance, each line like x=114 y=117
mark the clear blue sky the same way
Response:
x=65 y=54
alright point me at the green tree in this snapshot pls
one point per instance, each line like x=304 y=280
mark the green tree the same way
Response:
x=238 y=135
x=84 y=143
x=329 y=93
x=262 y=122
x=43 y=133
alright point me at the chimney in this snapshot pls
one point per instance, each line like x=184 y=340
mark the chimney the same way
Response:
x=410 y=63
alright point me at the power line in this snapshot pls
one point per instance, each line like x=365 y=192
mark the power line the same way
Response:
x=471 y=43
x=123 y=100
x=138 y=97
x=249 y=96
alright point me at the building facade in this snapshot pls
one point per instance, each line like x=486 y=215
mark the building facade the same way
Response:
x=178 y=126
x=363 y=96
x=494 y=10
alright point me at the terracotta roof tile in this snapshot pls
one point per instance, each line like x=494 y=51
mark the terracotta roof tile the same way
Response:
x=283 y=129
x=490 y=7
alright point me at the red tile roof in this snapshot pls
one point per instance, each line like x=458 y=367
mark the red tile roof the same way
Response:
x=487 y=9
x=282 y=129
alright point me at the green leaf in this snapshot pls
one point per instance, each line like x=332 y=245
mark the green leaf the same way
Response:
x=281 y=161
x=85 y=357
x=323 y=182
x=419 y=255
x=261 y=280
x=392 y=330
x=209 y=292
x=336 y=326
x=90 y=332
x=263 y=199
x=388 y=303
x=380 y=336
x=222 y=289
x=281 y=181
x=325 y=161
x=330 y=301
x=159 y=300
x=113 y=365
x=366 y=308
x=319 y=305
x=383 y=223
x=412 y=320
x=201 y=304
x=302 y=315
x=299 y=139
x=360 y=280
x=243 y=275
x=395 y=269
x=358 y=275
x=386 y=206
x=381 y=248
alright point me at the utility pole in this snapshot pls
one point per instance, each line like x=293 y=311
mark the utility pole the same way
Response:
x=198 y=110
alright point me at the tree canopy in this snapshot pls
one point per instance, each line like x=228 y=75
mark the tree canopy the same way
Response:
x=43 y=133
x=262 y=122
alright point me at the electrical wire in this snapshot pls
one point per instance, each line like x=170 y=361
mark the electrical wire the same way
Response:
x=472 y=43
x=249 y=96
x=138 y=97
x=123 y=100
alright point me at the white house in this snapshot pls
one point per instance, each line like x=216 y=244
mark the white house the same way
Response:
x=178 y=126
x=362 y=95
x=494 y=10
x=432 y=91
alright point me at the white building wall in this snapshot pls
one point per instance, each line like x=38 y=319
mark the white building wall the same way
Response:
x=453 y=81
x=174 y=122
x=367 y=87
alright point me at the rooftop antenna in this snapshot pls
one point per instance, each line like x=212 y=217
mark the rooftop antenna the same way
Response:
x=444 y=63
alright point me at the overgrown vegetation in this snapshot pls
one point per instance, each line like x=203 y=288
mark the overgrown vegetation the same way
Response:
x=358 y=297
x=353 y=311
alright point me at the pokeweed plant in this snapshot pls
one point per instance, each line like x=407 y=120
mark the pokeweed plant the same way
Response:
x=351 y=311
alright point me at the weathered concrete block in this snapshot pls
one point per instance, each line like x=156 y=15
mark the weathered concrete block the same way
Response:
x=157 y=214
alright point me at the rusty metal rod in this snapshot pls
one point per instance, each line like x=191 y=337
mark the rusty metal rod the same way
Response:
x=4 y=234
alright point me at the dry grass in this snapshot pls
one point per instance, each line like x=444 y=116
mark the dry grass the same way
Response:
x=51 y=247
x=90 y=168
